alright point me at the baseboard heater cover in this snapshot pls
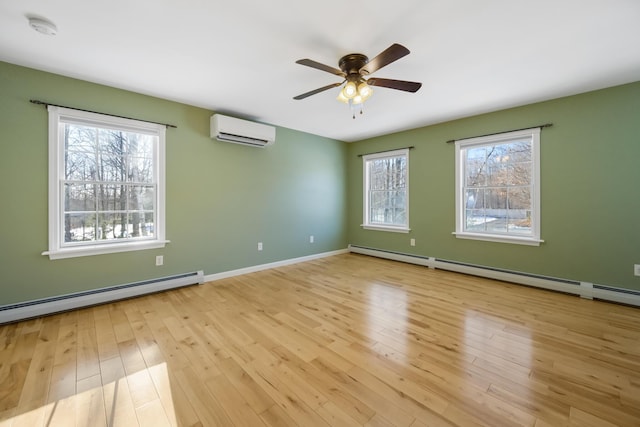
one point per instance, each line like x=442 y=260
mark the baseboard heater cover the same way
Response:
x=45 y=306
x=582 y=289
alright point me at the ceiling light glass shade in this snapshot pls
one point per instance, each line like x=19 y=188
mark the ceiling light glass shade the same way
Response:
x=350 y=90
x=357 y=100
x=365 y=91
x=342 y=98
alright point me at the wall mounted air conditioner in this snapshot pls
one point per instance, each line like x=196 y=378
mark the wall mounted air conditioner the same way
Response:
x=238 y=131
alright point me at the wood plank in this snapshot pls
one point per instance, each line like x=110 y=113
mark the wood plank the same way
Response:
x=233 y=403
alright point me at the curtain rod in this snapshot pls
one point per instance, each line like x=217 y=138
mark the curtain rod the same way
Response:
x=46 y=104
x=387 y=151
x=546 y=125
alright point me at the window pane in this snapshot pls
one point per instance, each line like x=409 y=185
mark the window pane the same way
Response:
x=496 y=225
x=387 y=207
x=112 y=197
x=520 y=151
x=139 y=169
x=497 y=175
x=113 y=225
x=475 y=220
x=79 y=227
x=387 y=173
x=520 y=221
x=475 y=170
x=80 y=138
x=520 y=198
x=474 y=199
x=520 y=173
x=496 y=199
x=141 y=197
x=79 y=197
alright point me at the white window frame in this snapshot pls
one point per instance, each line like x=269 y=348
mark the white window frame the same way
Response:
x=367 y=224
x=61 y=115
x=502 y=138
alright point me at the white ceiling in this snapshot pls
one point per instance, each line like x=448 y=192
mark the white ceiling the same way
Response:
x=238 y=57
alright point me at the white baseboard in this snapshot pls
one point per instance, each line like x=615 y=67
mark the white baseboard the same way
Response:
x=260 y=267
x=582 y=289
x=41 y=307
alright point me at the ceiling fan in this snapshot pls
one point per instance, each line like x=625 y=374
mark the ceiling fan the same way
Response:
x=354 y=68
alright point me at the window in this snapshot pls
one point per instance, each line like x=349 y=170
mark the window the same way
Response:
x=106 y=184
x=498 y=187
x=386 y=191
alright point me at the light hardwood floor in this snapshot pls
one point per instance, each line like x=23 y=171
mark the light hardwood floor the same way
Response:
x=342 y=341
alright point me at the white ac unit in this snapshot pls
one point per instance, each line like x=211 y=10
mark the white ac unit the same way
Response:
x=238 y=131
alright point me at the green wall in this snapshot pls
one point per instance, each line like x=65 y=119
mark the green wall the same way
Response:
x=221 y=198
x=590 y=202
x=224 y=198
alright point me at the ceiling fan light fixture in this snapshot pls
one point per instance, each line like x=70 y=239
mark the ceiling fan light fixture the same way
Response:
x=364 y=91
x=350 y=90
x=342 y=98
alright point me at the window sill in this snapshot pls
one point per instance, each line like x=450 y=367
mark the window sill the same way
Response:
x=500 y=239
x=385 y=228
x=104 y=249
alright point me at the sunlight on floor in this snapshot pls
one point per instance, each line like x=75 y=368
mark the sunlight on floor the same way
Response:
x=142 y=398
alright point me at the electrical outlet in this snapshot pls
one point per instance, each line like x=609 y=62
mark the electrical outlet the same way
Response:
x=636 y=269
x=412 y=242
x=259 y=246
x=311 y=239
x=159 y=260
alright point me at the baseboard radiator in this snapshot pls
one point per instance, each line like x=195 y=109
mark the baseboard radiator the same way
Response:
x=582 y=289
x=41 y=307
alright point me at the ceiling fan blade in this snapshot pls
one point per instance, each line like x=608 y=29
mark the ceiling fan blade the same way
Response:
x=313 y=92
x=395 y=84
x=391 y=54
x=318 y=66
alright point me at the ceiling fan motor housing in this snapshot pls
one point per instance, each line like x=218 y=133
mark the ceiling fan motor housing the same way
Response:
x=352 y=64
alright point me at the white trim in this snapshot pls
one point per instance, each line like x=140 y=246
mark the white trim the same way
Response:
x=365 y=191
x=463 y=144
x=582 y=289
x=499 y=238
x=73 y=252
x=41 y=307
x=385 y=228
x=57 y=247
x=260 y=267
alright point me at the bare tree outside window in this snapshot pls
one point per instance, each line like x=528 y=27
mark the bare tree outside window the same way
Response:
x=109 y=188
x=386 y=189
x=497 y=187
